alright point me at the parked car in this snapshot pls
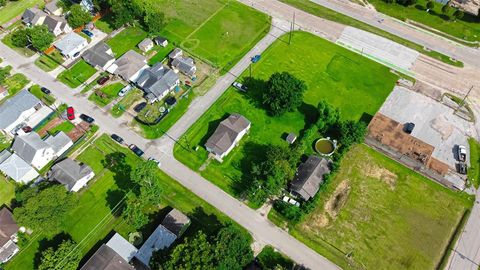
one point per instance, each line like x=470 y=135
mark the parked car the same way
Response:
x=139 y=107
x=239 y=86
x=256 y=58
x=136 y=150
x=171 y=100
x=27 y=129
x=103 y=80
x=46 y=91
x=117 y=138
x=87 y=118
x=462 y=168
x=125 y=90
x=154 y=160
x=408 y=127
x=290 y=201
x=70 y=113
x=88 y=33
x=462 y=153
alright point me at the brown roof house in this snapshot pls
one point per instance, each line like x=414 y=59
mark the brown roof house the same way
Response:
x=309 y=177
x=227 y=135
x=129 y=66
x=8 y=235
x=116 y=254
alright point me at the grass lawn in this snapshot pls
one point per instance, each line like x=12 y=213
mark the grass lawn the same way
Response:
x=15 y=8
x=36 y=91
x=15 y=83
x=7 y=191
x=126 y=40
x=66 y=127
x=103 y=24
x=49 y=62
x=7 y=40
x=376 y=208
x=161 y=53
x=329 y=14
x=110 y=91
x=4 y=142
x=131 y=97
x=92 y=220
x=356 y=85
x=467 y=28
x=474 y=170
x=77 y=74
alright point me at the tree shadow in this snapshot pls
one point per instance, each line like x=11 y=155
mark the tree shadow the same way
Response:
x=113 y=198
x=116 y=163
x=46 y=243
x=212 y=125
x=420 y=7
x=366 y=118
x=255 y=90
x=201 y=221
x=310 y=114
x=254 y=153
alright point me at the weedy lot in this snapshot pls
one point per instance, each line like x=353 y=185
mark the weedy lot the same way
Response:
x=96 y=216
x=77 y=74
x=376 y=208
x=344 y=79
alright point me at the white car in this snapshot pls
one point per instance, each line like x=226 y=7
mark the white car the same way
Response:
x=125 y=90
x=290 y=201
x=239 y=86
x=462 y=153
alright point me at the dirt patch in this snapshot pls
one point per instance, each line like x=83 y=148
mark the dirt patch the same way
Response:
x=53 y=123
x=78 y=131
x=338 y=199
x=381 y=174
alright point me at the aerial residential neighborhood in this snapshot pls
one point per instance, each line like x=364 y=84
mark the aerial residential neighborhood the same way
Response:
x=239 y=134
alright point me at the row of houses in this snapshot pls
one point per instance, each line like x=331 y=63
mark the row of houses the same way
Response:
x=309 y=176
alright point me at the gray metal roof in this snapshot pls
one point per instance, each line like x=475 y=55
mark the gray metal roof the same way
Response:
x=122 y=247
x=58 y=142
x=32 y=15
x=68 y=172
x=185 y=65
x=157 y=80
x=13 y=107
x=129 y=64
x=145 y=43
x=105 y=258
x=52 y=21
x=160 y=239
x=15 y=167
x=309 y=176
x=175 y=53
x=99 y=55
x=69 y=43
x=8 y=250
x=226 y=133
x=27 y=146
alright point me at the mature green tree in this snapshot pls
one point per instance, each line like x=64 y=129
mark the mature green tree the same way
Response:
x=134 y=212
x=3 y=3
x=327 y=116
x=232 y=249
x=4 y=73
x=40 y=37
x=458 y=14
x=78 y=16
x=145 y=176
x=284 y=93
x=66 y=257
x=20 y=37
x=351 y=132
x=430 y=5
x=123 y=12
x=193 y=253
x=45 y=211
x=154 y=19
x=446 y=9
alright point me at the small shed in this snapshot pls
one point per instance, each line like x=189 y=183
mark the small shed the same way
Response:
x=161 y=41
x=291 y=138
x=146 y=45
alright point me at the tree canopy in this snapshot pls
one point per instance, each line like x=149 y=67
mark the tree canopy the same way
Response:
x=40 y=37
x=284 y=92
x=65 y=257
x=46 y=210
x=20 y=37
x=78 y=16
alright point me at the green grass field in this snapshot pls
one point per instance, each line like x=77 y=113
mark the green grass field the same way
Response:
x=126 y=102
x=4 y=142
x=66 y=127
x=7 y=191
x=356 y=85
x=110 y=91
x=15 y=8
x=49 y=62
x=36 y=91
x=126 y=40
x=474 y=170
x=376 y=208
x=77 y=74
x=15 y=83
x=92 y=220
x=467 y=28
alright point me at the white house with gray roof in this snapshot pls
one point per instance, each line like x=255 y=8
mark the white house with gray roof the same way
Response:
x=99 y=56
x=33 y=150
x=16 y=168
x=71 y=174
x=33 y=16
x=157 y=81
x=129 y=66
x=18 y=109
x=60 y=143
x=71 y=45
x=53 y=8
x=57 y=25
x=184 y=65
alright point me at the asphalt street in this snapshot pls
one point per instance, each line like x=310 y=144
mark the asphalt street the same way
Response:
x=259 y=226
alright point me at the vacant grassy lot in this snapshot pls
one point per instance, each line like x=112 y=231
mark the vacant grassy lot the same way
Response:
x=49 y=62
x=356 y=85
x=7 y=191
x=66 y=127
x=126 y=102
x=110 y=91
x=467 y=28
x=474 y=170
x=126 y=40
x=77 y=74
x=15 y=83
x=376 y=208
x=15 y=8
x=37 y=91
x=92 y=220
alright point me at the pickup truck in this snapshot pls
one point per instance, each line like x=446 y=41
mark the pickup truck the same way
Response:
x=462 y=153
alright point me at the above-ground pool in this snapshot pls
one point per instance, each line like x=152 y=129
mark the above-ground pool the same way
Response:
x=325 y=146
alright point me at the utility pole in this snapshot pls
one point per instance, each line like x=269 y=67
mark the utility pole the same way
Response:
x=463 y=100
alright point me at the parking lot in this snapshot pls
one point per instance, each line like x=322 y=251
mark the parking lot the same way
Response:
x=434 y=122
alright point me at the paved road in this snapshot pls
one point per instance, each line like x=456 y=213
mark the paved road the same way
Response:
x=262 y=230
